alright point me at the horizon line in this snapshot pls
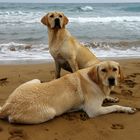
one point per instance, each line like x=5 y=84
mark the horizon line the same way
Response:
x=72 y=2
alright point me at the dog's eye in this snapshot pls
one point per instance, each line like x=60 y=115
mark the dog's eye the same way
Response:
x=114 y=69
x=60 y=16
x=104 y=70
x=51 y=16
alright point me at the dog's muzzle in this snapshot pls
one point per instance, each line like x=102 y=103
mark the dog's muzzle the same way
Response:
x=57 y=23
x=111 y=81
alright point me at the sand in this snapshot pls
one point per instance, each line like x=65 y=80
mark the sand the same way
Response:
x=74 y=126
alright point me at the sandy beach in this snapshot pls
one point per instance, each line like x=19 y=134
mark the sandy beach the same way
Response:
x=74 y=126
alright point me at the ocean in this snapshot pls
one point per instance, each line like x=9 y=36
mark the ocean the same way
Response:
x=109 y=30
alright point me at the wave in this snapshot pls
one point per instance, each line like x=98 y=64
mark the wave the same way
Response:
x=19 y=51
x=20 y=13
x=115 y=49
x=12 y=46
x=86 y=8
x=36 y=19
x=121 y=45
x=20 y=21
x=18 y=17
x=106 y=19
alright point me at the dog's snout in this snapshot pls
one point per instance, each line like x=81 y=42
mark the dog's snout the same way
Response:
x=111 y=81
x=57 y=23
x=57 y=20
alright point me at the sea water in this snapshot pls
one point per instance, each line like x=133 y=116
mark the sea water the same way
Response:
x=108 y=30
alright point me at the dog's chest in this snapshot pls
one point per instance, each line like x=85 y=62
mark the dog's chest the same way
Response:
x=55 y=52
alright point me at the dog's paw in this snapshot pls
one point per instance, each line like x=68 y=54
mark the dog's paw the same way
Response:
x=132 y=110
x=115 y=100
x=111 y=100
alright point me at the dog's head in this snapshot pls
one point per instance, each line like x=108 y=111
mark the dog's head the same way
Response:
x=106 y=73
x=55 y=20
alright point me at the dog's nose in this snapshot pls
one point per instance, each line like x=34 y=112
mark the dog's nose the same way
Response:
x=57 y=21
x=111 y=81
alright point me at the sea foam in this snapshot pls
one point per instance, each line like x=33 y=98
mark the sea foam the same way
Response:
x=86 y=8
x=18 y=51
x=106 y=19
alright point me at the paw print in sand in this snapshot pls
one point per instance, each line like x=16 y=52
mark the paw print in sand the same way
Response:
x=117 y=126
x=17 y=134
x=3 y=81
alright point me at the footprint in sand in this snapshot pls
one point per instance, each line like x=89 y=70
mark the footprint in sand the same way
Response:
x=136 y=73
x=133 y=75
x=127 y=92
x=129 y=83
x=17 y=134
x=117 y=126
x=3 y=81
x=46 y=129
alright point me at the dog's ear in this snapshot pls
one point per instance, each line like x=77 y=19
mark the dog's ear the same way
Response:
x=93 y=74
x=121 y=74
x=65 y=21
x=44 y=20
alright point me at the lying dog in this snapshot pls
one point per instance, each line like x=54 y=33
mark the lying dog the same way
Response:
x=34 y=102
x=67 y=52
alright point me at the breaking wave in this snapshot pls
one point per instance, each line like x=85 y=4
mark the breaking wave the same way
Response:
x=86 y=8
x=18 y=51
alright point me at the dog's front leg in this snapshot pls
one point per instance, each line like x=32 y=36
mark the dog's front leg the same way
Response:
x=57 y=69
x=73 y=64
x=111 y=109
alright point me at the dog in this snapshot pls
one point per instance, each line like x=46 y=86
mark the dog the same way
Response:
x=67 y=52
x=34 y=102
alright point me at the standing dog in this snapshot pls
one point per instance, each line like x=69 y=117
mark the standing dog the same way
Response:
x=67 y=52
x=34 y=102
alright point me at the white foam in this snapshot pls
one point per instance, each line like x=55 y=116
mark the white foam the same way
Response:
x=40 y=52
x=17 y=51
x=20 y=17
x=87 y=8
x=116 y=52
x=34 y=17
x=106 y=19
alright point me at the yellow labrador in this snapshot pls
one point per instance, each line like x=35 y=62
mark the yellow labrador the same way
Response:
x=34 y=102
x=67 y=52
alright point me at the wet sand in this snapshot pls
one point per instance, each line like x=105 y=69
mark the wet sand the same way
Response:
x=74 y=126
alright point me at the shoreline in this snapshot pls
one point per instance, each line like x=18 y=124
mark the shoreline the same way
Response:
x=44 y=61
x=20 y=53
